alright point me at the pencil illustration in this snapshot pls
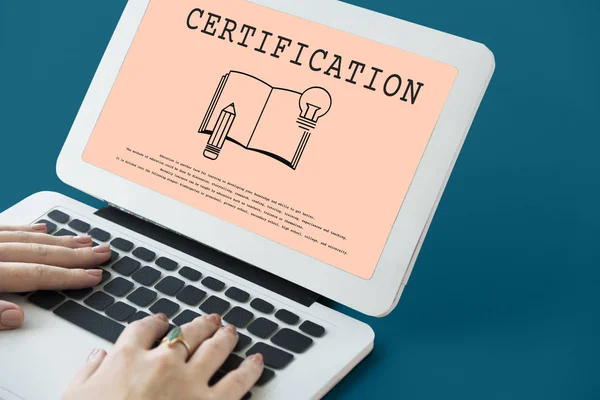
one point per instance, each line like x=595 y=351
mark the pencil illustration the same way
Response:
x=219 y=135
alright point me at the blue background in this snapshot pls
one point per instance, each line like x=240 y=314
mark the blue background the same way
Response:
x=504 y=300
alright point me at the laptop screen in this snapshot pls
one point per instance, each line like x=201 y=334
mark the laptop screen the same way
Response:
x=300 y=133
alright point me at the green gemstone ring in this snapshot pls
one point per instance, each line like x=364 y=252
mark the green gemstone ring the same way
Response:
x=176 y=336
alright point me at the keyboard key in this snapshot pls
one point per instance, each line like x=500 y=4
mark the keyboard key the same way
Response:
x=238 y=317
x=166 y=307
x=166 y=263
x=292 y=340
x=113 y=257
x=99 y=234
x=126 y=266
x=237 y=294
x=190 y=273
x=58 y=216
x=79 y=225
x=169 y=286
x=274 y=357
x=105 y=276
x=144 y=254
x=214 y=305
x=262 y=327
x=122 y=244
x=213 y=284
x=146 y=276
x=142 y=296
x=50 y=226
x=185 y=317
x=287 y=317
x=46 y=299
x=89 y=320
x=120 y=311
x=243 y=342
x=262 y=306
x=312 y=329
x=191 y=295
x=99 y=301
x=65 y=232
x=265 y=377
x=216 y=378
x=78 y=294
x=118 y=286
x=137 y=316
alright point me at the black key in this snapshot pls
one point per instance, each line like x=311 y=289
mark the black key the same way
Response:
x=99 y=234
x=169 y=286
x=142 y=296
x=99 y=301
x=262 y=306
x=105 y=276
x=65 y=232
x=58 y=216
x=213 y=284
x=243 y=342
x=185 y=317
x=78 y=294
x=216 y=378
x=95 y=244
x=46 y=299
x=287 y=317
x=144 y=254
x=238 y=317
x=166 y=263
x=214 y=305
x=247 y=396
x=274 y=357
x=191 y=295
x=265 y=377
x=190 y=273
x=79 y=225
x=292 y=340
x=237 y=294
x=137 y=316
x=89 y=320
x=166 y=307
x=146 y=276
x=118 y=286
x=312 y=329
x=262 y=327
x=120 y=311
x=50 y=226
x=232 y=363
x=122 y=244
x=113 y=257
x=126 y=266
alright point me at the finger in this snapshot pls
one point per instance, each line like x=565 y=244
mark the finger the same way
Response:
x=19 y=277
x=214 y=351
x=40 y=228
x=73 y=242
x=144 y=332
x=238 y=382
x=194 y=334
x=11 y=316
x=54 y=255
x=91 y=365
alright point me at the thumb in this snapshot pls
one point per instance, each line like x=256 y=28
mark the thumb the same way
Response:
x=11 y=316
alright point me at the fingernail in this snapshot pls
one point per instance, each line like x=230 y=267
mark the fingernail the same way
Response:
x=96 y=354
x=216 y=318
x=105 y=248
x=231 y=329
x=11 y=318
x=83 y=239
x=162 y=316
x=257 y=358
x=95 y=272
x=39 y=227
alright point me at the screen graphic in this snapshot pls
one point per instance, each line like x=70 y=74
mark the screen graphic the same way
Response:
x=303 y=134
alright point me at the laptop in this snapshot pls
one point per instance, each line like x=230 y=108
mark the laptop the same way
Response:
x=254 y=157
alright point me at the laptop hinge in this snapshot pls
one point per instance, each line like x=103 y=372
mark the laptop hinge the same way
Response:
x=208 y=254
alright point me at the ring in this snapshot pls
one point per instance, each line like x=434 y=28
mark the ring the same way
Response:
x=176 y=336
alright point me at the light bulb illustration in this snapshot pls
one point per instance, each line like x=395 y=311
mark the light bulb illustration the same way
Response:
x=314 y=103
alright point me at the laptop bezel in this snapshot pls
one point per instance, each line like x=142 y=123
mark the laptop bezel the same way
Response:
x=376 y=296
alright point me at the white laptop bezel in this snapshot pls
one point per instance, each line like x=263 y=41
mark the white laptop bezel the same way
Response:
x=376 y=296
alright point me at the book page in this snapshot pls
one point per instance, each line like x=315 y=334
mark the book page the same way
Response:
x=323 y=168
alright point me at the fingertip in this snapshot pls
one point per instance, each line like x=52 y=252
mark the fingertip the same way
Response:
x=96 y=355
x=40 y=228
x=11 y=318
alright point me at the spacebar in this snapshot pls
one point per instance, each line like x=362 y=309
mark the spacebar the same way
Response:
x=90 y=320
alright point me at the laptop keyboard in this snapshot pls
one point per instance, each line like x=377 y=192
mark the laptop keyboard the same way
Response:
x=134 y=285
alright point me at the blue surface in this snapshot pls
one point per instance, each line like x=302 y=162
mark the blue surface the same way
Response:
x=504 y=299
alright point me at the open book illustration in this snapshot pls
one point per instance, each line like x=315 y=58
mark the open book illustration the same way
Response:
x=273 y=121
